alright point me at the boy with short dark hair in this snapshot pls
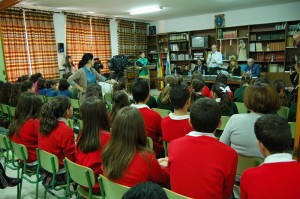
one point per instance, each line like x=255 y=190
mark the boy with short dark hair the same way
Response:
x=278 y=177
x=201 y=166
x=177 y=124
x=52 y=87
x=141 y=95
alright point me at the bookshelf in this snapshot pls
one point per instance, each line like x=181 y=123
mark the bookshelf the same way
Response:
x=152 y=48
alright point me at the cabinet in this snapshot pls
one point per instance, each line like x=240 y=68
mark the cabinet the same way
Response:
x=152 y=48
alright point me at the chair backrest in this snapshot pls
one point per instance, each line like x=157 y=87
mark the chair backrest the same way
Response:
x=165 y=148
x=108 y=98
x=11 y=111
x=81 y=175
x=75 y=103
x=173 y=195
x=293 y=129
x=43 y=98
x=70 y=123
x=111 y=190
x=162 y=112
x=4 y=108
x=224 y=120
x=2 y=141
x=245 y=162
x=241 y=107
x=49 y=98
x=149 y=143
x=20 y=151
x=47 y=161
x=283 y=112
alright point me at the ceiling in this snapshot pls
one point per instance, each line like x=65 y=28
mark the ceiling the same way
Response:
x=171 y=8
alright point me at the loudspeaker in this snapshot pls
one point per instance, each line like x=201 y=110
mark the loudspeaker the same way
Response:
x=60 y=47
x=152 y=30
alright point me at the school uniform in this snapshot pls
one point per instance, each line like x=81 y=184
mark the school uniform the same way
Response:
x=28 y=136
x=142 y=168
x=93 y=159
x=51 y=92
x=42 y=91
x=201 y=166
x=65 y=93
x=153 y=127
x=277 y=178
x=174 y=127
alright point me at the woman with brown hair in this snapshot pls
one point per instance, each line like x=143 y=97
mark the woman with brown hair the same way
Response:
x=68 y=65
x=234 y=69
x=126 y=159
x=239 y=131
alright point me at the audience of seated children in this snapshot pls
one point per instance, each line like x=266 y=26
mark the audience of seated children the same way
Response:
x=221 y=78
x=163 y=100
x=120 y=99
x=239 y=92
x=34 y=79
x=41 y=85
x=221 y=95
x=14 y=94
x=145 y=190
x=198 y=75
x=5 y=93
x=177 y=124
x=93 y=137
x=55 y=136
x=280 y=86
x=125 y=158
x=140 y=93
x=201 y=166
x=52 y=87
x=278 y=177
x=27 y=86
x=239 y=131
x=197 y=89
x=63 y=88
x=25 y=125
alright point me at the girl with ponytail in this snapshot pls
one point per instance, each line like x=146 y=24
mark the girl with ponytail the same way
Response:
x=163 y=100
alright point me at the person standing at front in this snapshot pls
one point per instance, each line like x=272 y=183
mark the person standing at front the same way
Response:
x=214 y=60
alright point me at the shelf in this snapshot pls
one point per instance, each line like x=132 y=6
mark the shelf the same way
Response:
x=237 y=38
x=271 y=51
x=262 y=31
x=179 y=60
x=226 y=60
x=266 y=40
x=268 y=61
x=176 y=51
x=179 y=41
x=291 y=47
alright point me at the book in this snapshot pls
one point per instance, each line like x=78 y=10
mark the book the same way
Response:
x=258 y=47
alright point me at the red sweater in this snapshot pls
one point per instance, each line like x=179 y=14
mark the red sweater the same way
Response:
x=271 y=180
x=28 y=136
x=153 y=127
x=202 y=167
x=205 y=92
x=59 y=142
x=93 y=159
x=174 y=127
x=142 y=169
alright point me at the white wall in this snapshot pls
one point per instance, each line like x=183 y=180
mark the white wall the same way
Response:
x=259 y=15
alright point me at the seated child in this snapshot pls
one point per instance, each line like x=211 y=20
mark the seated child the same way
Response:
x=52 y=87
x=41 y=85
x=63 y=88
x=197 y=89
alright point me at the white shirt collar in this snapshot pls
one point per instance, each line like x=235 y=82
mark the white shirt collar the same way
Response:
x=62 y=119
x=138 y=106
x=218 y=99
x=279 y=157
x=197 y=134
x=178 y=117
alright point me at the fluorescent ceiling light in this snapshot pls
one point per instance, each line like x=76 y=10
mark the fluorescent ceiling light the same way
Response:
x=145 y=10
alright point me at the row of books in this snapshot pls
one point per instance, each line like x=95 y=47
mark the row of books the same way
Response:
x=267 y=36
x=179 y=57
x=269 y=57
x=230 y=34
x=273 y=46
x=179 y=37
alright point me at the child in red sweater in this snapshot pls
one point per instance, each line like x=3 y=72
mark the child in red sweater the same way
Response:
x=140 y=93
x=278 y=177
x=126 y=159
x=177 y=124
x=93 y=137
x=201 y=166
x=55 y=136
x=24 y=126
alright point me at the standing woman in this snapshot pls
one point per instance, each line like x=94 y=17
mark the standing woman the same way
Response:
x=126 y=159
x=85 y=76
x=24 y=127
x=55 y=136
x=142 y=62
x=68 y=65
x=93 y=137
x=234 y=69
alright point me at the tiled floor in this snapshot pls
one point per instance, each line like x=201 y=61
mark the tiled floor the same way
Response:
x=28 y=190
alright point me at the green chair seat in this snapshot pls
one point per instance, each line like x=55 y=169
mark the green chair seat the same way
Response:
x=162 y=112
x=111 y=190
x=173 y=195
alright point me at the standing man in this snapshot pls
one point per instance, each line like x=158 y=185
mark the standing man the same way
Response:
x=200 y=67
x=252 y=68
x=214 y=60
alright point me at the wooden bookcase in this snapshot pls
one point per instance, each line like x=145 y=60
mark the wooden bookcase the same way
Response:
x=179 y=49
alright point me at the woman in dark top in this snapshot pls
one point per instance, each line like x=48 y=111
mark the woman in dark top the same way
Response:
x=221 y=95
x=234 y=69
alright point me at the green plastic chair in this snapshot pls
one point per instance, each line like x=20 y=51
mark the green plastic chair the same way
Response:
x=173 y=195
x=149 y=143
x=83 y=176
x=283 y=112
x=165 y=148
x=21 y=153
x=4 y=111
x=75 y=103
x=108 y=98
x=49 y=99
x=224 y=120
x=293 y=129
x=241 y=107
x=8 y=153
x=111 y=190
x=43 y=98
x=49 y=162
x=11 y=112
x=245 y=162
x=162 y=112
